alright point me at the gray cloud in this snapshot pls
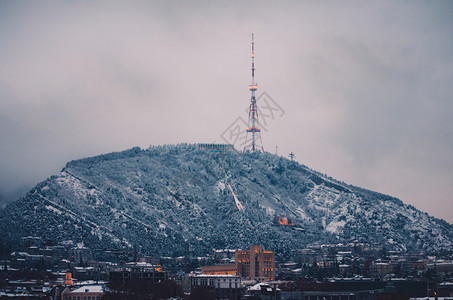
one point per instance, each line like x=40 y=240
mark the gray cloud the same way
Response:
x=366 y=86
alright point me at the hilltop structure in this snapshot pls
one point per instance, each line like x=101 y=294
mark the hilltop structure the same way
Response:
x=253 y=122
x=216 y=147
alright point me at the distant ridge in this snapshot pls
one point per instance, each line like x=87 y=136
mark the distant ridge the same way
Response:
x=176 y=199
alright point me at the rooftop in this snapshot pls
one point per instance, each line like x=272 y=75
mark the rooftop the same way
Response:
x=89 y=289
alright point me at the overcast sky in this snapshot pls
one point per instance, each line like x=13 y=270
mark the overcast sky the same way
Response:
x=364 y=88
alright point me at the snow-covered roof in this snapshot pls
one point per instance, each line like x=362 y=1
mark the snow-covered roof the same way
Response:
x=446 y=284
x=214 y=275
x=89 y=289
x=90 y=282
x=259 y=286
x=83 y=268
x=140 y=264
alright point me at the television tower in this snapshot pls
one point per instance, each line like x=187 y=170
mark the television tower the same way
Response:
x=253 y=114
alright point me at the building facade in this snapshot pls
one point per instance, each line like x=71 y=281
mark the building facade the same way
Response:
x=230 y=269
x=256 y=264
x=90 y=292
x=138 y=271
x=253 y=264
x=380 y=269
x=223 y=286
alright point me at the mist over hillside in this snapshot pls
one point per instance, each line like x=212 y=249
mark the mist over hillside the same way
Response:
x=178 y=200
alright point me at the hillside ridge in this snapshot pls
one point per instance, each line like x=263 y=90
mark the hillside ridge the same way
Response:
x=179 y=199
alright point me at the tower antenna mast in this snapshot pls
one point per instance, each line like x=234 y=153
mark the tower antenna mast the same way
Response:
x=253 y=123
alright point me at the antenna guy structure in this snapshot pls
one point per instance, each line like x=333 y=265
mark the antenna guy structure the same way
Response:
x=253 y=123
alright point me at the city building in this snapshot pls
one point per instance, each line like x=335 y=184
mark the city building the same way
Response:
x=263 y=291
x=138 y=271
x=223 y=286
x=441 y=268
x=224 y=255
x=80 y=255
x=68 y=278
x=256 y=264
x=380 y=269
x=306 y=256
x=230 y=269
x=253 y=264
x=88 y=292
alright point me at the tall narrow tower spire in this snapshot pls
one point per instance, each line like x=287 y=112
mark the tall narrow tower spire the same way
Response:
x=253 y=62
x=253 y=124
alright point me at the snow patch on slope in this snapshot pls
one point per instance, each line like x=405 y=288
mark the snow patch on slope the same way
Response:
x=334 y=226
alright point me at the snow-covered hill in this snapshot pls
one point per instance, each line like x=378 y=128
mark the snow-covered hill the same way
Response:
x=177 y=200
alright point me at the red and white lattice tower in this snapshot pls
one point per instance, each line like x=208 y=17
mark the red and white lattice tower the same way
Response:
x=253 y=123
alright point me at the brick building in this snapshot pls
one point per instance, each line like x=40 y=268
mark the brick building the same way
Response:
x=256 y=264
x=253 y=264
x=230 y=269
x=89 y=292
